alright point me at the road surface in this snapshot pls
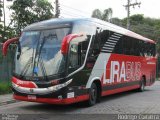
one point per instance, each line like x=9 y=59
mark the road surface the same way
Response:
x=132 y=102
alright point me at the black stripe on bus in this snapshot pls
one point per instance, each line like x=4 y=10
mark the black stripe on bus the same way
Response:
x=121 y=85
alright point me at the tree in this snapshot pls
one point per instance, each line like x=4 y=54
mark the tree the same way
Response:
x=1 y=14
x=26 y=12
x=106 y=15
x=117 y=21
x=1 y=7
x=137 y=19
x=1 y=32
x=97 y=14
x=148 y=27
x=134 y=19
x=43 y=9
x=9 y=33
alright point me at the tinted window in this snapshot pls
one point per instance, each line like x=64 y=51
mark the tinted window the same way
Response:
x=111 y=42
x=82 y=45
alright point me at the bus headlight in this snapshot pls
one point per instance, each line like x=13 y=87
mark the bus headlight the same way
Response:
x=57 y=87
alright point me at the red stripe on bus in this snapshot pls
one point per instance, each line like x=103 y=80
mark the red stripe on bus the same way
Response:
x=53 y=100
x=26 y=84
x=110 y=92
x=66 y=40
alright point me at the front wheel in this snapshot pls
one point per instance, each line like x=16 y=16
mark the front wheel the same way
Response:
x=92 y=95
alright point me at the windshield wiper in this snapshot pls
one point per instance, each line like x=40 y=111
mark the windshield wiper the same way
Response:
x=43 y=69
x=38 y=53
x=38 y=57
x=25 y=69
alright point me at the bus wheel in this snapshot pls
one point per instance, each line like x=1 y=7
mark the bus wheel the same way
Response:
x=92 y=95
x=142 y=85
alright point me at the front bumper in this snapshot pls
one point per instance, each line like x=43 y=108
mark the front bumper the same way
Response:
x=39 y=91
x=53 y=100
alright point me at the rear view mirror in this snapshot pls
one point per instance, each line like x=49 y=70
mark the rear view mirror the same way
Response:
x=66 y=40
x=7 y=43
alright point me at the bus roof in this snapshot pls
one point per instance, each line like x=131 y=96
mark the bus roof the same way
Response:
x=66 y=22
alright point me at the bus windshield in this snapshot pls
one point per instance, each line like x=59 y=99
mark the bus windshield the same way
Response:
x=38 y=53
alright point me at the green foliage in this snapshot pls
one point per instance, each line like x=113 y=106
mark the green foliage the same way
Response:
x=145 y=26
x=9 y=33
x=26 y=12
x=97 y=14
x=1 y=4
x=5 y=88
x=1 y=12
x=117 y=21
x=1 y=7
x=148 y=27
x=43 y=9
x=105 y=15
x=1 y=30
x=137 y=19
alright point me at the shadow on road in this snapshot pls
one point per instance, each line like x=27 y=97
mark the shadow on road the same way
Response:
x=122 y=94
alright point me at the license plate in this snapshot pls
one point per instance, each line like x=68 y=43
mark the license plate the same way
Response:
x=32 y=97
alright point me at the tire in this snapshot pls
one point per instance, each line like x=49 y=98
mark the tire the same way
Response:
x=93 y=94
x=142 y=85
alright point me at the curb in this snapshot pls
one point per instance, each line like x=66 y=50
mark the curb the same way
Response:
x=8 y=102
x=7 y=99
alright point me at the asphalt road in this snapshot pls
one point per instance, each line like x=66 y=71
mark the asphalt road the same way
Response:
x=132 y=102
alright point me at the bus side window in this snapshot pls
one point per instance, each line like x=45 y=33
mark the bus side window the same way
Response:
x=141 y=49
x=73 y=57
x=103 y=35
x=83 y=50
x=118 y=49
x=77 y=53
x=94 y=51
x=125 y=46
x=153 y=50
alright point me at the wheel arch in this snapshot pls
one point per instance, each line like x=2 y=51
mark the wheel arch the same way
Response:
x=97 y=81
x=89 y=83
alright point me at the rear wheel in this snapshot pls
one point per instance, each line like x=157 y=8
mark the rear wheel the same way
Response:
x=92 y=95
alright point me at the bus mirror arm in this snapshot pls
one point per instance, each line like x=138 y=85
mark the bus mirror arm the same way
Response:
x=7 y=43
x=66 y=41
